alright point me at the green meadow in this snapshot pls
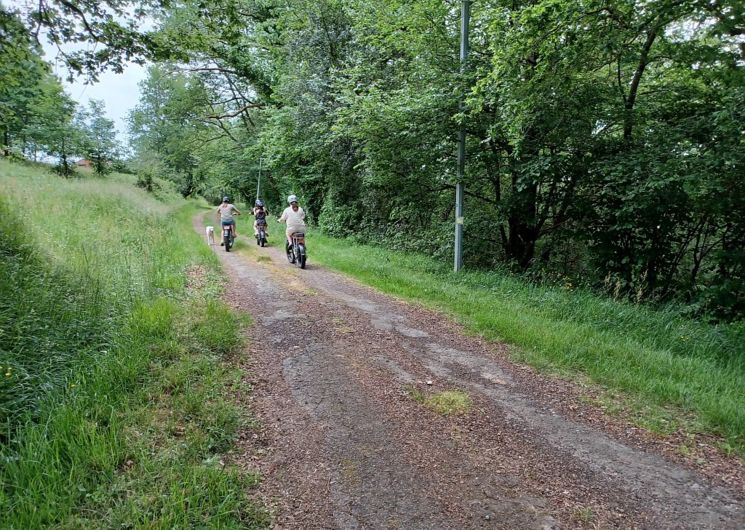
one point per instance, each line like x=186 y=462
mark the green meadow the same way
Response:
x=115 y=388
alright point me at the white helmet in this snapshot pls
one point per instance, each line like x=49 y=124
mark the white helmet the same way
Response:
x=291 y=199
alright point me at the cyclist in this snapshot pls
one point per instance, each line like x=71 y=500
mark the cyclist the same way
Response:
x=226 y=211
x=261 y=213
x=294 y=216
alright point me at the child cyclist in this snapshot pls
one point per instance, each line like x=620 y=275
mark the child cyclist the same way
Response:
x=261 y=213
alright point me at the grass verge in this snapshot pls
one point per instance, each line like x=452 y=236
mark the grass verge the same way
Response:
x=679 y=373
x=116 y=411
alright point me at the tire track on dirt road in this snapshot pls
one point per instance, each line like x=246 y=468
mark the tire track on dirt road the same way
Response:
x=343 y=445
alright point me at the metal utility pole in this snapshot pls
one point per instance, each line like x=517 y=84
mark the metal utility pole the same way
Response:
x=258 y=183
x=465 y=15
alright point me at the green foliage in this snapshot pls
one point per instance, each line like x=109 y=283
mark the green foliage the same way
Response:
x=113 y=26
x=183 y=131
x=35 y=113
x=616 y=132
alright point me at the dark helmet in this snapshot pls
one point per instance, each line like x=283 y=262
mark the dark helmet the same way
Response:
x=226 y=199
x=259 y=202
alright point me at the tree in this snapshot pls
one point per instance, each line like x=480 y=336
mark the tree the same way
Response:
x=602 y=134
x=51 y=126
x=166 y=124
x=22 y=71
x=98 y=141
x=35 y=112
x=607 y=118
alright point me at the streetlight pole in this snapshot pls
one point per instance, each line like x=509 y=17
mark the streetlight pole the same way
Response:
x=465 y=15
x=258 y=181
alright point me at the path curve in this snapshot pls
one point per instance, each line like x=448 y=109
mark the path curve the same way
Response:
x=342 y=444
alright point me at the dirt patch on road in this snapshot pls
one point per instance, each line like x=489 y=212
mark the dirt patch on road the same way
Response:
x=342 y=443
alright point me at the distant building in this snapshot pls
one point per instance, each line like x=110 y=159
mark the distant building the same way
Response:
x=84 y=162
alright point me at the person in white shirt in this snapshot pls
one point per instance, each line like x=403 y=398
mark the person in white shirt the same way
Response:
x=294 y=216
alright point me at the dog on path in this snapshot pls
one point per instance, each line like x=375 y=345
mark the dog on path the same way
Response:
x=210 y=235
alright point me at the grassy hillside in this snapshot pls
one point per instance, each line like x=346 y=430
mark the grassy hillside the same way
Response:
x=676 y=372
x=112 y=354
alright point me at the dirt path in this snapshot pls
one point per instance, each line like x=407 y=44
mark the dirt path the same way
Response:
x=342 y=444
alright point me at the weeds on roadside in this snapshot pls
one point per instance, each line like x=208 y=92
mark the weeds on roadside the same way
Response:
x=445 y=403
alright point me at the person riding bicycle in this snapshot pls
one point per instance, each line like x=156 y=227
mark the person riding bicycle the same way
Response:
x=261 y=213
x=226 y=211
x=294 y=216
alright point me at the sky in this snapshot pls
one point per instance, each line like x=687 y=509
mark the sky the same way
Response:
x=119 y=92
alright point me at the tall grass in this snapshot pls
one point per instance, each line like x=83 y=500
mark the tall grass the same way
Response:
x=80 y=254
x=112 y=391
x=654 y=355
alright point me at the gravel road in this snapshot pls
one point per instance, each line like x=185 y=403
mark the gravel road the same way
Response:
x=342 y=443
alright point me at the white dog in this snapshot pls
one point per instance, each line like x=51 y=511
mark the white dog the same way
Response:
x=210 y=235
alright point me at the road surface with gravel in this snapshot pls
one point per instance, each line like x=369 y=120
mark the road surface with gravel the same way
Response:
x=342 y=442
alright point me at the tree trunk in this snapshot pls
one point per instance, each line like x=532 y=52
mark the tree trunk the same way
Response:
x=64 y=164
x=522 y=224
x=6 y=142
x=630 y=101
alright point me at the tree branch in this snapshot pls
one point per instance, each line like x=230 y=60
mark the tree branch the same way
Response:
x=633 y=89
x=237 y=112
x=75 y=9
